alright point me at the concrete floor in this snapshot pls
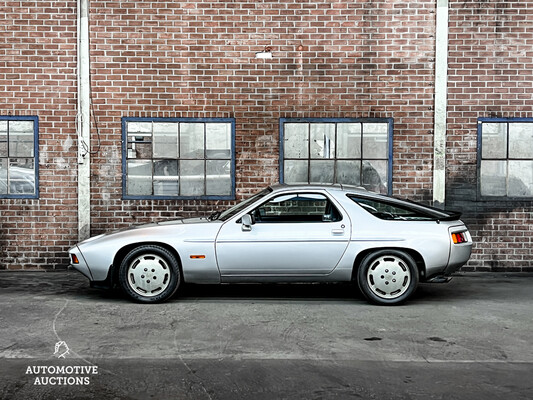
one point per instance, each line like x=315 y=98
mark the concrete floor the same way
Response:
x=469 y=339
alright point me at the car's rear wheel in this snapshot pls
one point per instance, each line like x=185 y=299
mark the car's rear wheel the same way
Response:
x=149 y=274
x=388 y=277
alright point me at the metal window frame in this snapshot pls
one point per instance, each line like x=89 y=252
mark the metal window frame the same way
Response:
x=389 y=121
x=35 y=157
x=125 y=120
x=508 y=121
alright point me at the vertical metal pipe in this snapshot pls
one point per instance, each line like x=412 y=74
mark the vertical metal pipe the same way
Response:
x=84 y=122
x=441 y=98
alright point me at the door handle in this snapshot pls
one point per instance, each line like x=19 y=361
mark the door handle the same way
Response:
x=337 y=231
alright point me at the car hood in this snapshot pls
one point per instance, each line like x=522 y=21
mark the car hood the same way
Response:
x=196 y=220
x=154 y=228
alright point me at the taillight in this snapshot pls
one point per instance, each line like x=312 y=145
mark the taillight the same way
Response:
x=74 y=259
x=459 y=237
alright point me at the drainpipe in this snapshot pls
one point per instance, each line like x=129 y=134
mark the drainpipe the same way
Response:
x=441 y=90
x=83 y=122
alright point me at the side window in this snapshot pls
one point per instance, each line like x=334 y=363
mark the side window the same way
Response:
x=297 y=207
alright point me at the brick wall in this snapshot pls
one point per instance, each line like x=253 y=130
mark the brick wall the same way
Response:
x=360 y=58
x=38 y=77
x=490 y=75
x=196 y=59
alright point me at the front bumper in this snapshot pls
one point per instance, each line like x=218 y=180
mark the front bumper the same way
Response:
x=81 y=264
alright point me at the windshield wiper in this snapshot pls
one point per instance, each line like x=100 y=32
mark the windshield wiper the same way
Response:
x=214 y=216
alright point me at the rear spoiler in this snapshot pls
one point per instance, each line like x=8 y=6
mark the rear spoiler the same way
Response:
x=449 y=215
x=452 y=216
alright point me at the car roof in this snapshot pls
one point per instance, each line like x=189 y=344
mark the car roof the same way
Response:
x=334 y=187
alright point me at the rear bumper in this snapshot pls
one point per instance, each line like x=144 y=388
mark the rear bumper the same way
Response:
x=460 y=252
x=459 y=256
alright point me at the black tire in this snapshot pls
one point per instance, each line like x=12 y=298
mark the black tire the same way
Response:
x=149 y=274
x=387 y=277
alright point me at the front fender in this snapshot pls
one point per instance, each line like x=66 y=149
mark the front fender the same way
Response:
x=193 y=244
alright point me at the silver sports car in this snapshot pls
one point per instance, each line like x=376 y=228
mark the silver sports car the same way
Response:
x=285 y=234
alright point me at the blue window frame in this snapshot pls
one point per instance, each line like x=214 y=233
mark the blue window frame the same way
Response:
x=178 y=158
x=505 y=158
x=354 y=151
x=19 y=157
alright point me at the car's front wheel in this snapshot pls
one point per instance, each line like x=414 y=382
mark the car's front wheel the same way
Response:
x=388 y=277
x=149 y=274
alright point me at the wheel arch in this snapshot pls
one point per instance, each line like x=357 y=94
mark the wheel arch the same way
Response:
x=119 y=256
x=420 y=263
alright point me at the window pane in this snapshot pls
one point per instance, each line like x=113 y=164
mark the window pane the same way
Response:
x=140 y=127
x=21 y=176
x=375 y=140
x=375 y=175
x=321 y=171
x=166 y=178
x=520 y=140
x=21 y=138
x=191 y=140
x=493 y=178
x=218 y=177
x=165 y=140
x=139 y=178
x=3 y=176
x=296 y=138
x=322 y=140
x=218 y=140
x=349 y=172
x=3 y=138
x=140 y=145
x=494 y=140
x=349 y=140
x=192 y=178
x=520 y=178
x=295 y=171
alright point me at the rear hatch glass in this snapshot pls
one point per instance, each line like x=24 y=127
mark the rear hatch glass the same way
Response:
x=389 y=208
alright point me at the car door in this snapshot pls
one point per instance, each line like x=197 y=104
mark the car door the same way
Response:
x=292 y=234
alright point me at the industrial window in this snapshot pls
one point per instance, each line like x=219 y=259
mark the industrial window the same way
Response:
x=344 y=150
x=178 y=158
x=19 y=165
x=505 y=157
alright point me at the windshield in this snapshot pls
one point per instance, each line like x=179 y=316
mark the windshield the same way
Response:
x=242 y=205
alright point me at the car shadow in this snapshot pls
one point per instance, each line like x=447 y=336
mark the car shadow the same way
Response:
x=323 y=292
x=71 y=285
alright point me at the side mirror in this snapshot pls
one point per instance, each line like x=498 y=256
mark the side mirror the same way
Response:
x=246 y=223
